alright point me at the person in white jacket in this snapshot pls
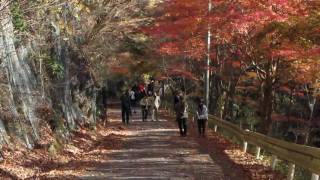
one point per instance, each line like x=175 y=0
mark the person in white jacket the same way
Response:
x=202 y=116
x=132 y=95
x=155 y=108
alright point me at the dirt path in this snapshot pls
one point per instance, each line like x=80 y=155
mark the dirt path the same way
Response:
x=141 y=150
x=153 y=150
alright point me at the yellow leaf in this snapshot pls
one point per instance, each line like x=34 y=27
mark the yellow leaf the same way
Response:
x=252 y=74
x=69 y=30
x=88 y=9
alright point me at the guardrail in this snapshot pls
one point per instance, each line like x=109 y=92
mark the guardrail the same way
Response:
x=301 y=155
x=304 y=156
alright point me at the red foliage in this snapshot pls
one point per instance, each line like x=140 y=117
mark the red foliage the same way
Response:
x=285 y=89
x=178 y=70
x=183 y=26
x=120 y=70
x=236 y=64
x=180 y=28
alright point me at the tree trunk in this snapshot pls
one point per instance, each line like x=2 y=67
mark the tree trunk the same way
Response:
x=311 y=101
x=207 y=73
x=266 y=107
x=215 y=83
x=223 y=102
x=228 y=106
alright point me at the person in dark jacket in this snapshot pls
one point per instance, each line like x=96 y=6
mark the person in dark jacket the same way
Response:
x=202 y=117
x=150 y=87
x=125 y=107
x=181 y=109
x=176 y=100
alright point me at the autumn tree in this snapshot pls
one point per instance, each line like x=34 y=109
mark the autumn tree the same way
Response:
x=246 y=38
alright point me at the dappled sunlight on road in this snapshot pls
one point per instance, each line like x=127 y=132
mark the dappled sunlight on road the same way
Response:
x=154 y=150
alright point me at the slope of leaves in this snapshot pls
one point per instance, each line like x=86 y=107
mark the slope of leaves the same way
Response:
x=86 y=149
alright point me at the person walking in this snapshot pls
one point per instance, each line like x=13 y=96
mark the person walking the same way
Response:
x=176 y=98
x=182 y=114
x=144 y=107
x=202 y=117
x=132 y=95
x=125 y=107
x=150 y=102
x=155 y=108
x=150 y=87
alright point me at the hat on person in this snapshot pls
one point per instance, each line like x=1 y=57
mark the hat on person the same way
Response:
x=201 y=100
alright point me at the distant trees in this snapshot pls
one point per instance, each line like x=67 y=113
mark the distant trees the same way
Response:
x=259 y=47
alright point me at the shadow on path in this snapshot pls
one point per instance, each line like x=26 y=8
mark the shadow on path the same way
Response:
x=153 y=150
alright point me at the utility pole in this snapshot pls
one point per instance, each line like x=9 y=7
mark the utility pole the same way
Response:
x=207 y=74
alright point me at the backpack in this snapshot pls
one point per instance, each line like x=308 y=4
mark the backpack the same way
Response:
x=185 y=112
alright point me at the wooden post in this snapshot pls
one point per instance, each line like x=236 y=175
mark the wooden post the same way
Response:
x=258 y=150
x=291 y=171
x=245 y=146
x=245 y=143
x=215 y=128
x=234 y=139
x=314 y=176
x=273 y=162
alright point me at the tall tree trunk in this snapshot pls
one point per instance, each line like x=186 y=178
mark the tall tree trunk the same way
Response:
x=215 y=85
x=222 y=105
x=207 y=73
x=226 y=101
x=266 y=106
x=215 y=93
x=311 y=102
x=228 y=106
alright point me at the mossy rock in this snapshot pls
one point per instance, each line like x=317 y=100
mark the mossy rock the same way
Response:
x=52 y=150
x=55 y=147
